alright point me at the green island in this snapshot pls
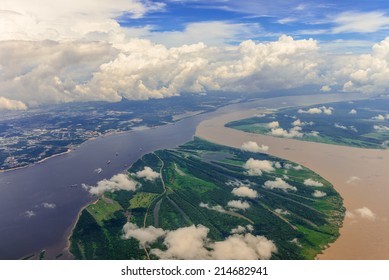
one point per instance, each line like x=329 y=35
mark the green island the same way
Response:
x=201 y=183
x=362 y=123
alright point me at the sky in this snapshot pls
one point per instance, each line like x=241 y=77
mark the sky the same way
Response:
x=55 y=52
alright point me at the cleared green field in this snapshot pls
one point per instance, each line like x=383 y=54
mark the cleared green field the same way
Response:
x=202 y=182
x=142 y=200
x=103 y=211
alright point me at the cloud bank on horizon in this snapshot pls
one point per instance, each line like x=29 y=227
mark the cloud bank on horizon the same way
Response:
x=52 y=52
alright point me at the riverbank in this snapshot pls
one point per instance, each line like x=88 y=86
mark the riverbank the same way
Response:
x=359 y=175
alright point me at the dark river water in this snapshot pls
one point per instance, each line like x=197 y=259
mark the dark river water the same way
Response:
x=28 y=220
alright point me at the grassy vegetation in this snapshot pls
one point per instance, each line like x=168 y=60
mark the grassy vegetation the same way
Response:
x=359 y=129
x=142 y=200
x=201 y=173
x=103 y=211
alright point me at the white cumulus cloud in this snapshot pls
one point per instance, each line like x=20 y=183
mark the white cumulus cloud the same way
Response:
x=278 y=183
x=318 y=194
x=281 y=211
x=242 y=229
x=325 y=89
x=117 y=182
x=238 y=204
x=293 y=132
x=255 y=167
x=216 y=208
x=108 y=65
x=245 y=191
x=148 y=174
x=321 y=110
x=29 y=214
x=145 y=236
x=243 y=247
x=312 y=183
x=253 y=147
x=273 y=124
x=186 y=243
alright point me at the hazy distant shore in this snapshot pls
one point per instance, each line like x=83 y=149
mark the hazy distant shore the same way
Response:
x=40 y=161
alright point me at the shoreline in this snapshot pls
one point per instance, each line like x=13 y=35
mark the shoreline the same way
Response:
x=66 y=250
x=337 y=164
x=38 y=162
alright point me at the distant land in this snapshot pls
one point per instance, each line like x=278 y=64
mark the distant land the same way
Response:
x=217 y=196
x=361 y=123
x=38 y=134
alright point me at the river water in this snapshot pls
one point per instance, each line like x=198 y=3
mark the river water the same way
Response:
x=40 y=204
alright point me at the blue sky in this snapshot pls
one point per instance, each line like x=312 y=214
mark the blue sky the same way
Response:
x=360 y=22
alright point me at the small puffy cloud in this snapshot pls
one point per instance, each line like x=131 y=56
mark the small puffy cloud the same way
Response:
x=243 y=247
x=381 y=128
x=216 y=208
x=310 y=111
x=313 y=133
x=273 y=124
x=29 y=214
x=255 y=167
x=117 y=182
x=242 y=229
x=312 y=183
x=48 y=205
x=293 y=132
x=186 y=243
x=291 y=166
x=278 y=183
x=318 y=194
x=253 y=147
x=238 y=204
x=325 y=88
x=353 y=180
x=245 y=191
x=148 y=174
x=366 y=213
x=238 y=230
x=379 y=117
x=353 y=112
x=298 y=122
x=298 y=167
x=145 y=236
x=278 y=165
x=327 y=111
x=337 y=125
x=281 y=211
x=320 y=110
x=10 y=104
